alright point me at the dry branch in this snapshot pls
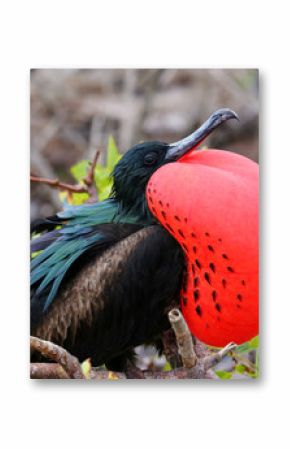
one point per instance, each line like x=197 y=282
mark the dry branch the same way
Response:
x=214 y=359
x=47 y=371
x=78 y=188
x=57 y=354
x=66 y=366
x=89 y=180
x=86 y=186
x=56 y=371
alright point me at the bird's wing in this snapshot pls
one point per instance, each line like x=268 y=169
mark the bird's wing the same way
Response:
x=119 y=299
x=76 y=231
x=65 y=256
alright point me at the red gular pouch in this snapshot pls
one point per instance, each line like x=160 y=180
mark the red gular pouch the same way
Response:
x=208 y=201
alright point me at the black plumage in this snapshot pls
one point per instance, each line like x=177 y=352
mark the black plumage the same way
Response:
x=106 y=274
x=118 y=299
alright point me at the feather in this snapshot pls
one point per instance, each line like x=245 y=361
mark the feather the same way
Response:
x=43 y=241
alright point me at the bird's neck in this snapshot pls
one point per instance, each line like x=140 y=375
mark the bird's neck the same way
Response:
x=138 y=211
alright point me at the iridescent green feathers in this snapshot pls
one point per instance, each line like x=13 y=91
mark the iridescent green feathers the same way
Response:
x=79 y=232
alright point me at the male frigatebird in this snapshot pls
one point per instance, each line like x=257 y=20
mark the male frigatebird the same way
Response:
x=180 y=227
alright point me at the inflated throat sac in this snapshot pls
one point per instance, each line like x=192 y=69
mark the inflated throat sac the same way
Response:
x=209 y=203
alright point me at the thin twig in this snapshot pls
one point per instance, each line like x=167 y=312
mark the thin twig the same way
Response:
x=214 y=359
x=86 y=186
x=78 y=188
x=89 y=179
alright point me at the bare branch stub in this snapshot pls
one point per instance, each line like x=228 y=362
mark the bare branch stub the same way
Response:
x=183 y=338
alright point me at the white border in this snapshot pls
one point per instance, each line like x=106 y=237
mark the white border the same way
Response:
x=144 y=34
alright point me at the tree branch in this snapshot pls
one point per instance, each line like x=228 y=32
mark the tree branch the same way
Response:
x=78 y=188
x=57 y=354
x=86 y=186
x=89 y=179
x=66 y=366
x=47 y=371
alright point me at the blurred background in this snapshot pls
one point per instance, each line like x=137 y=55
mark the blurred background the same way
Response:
x=74 y=111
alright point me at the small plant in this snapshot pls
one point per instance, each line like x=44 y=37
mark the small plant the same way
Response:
x=101 y=177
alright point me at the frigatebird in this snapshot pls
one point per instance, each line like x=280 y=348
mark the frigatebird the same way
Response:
x=179 y=228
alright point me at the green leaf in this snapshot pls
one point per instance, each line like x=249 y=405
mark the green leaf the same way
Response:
x=105 y=192
x=79 y=198
x=240 y=369
x=102 y=174
x=249 y=345
x=113 y=154
x=103 y=182
x=74 y=198
x=79 y=170
x=167 y=366
x=245 y=347
x=223 y=374
x=86 y=368
x=254 y=343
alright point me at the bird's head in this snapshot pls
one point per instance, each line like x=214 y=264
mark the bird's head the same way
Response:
x=132 y=173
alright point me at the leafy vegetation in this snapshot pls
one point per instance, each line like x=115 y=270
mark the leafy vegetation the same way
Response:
x=102 y=179
x=246 y=361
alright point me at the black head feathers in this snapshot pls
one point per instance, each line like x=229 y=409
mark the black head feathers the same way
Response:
x=133 y=172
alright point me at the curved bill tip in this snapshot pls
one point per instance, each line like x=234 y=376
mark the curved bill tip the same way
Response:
x=224 y=114
x=177 y=149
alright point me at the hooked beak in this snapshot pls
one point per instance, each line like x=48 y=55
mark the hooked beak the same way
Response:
x=178 y=149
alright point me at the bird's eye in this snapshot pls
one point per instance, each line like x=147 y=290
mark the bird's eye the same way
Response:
x=150 y=159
